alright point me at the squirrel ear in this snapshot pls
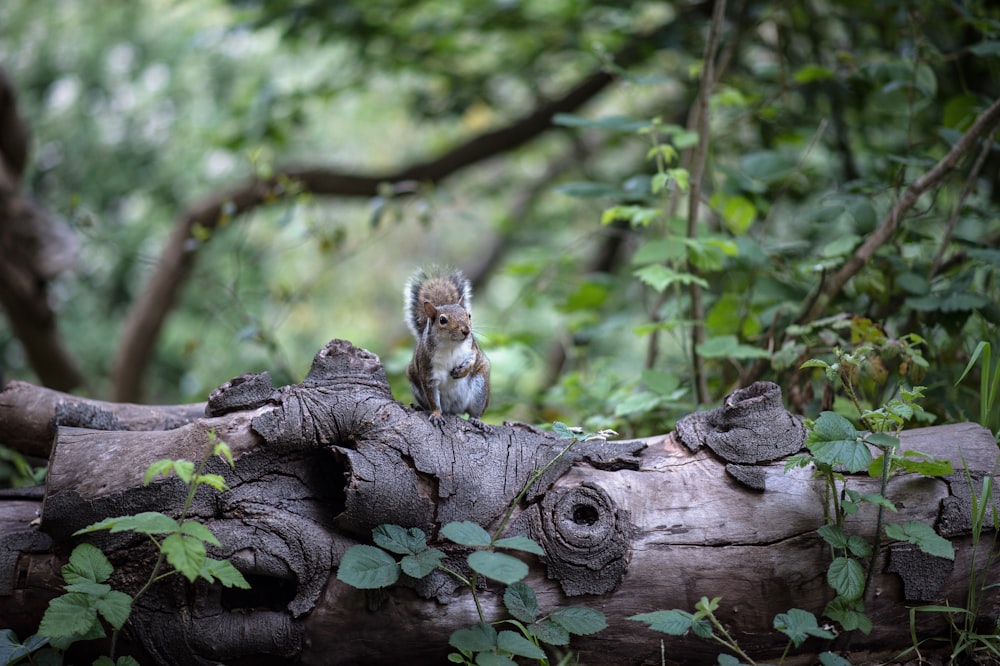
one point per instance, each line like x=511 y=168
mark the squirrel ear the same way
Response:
x=429 y=309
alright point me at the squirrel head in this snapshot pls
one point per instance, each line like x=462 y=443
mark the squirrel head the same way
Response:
x=451 y=321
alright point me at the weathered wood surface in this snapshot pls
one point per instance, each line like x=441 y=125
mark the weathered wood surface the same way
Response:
x=628 y=527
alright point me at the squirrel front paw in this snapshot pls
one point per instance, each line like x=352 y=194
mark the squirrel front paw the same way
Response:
x=436 y=418
x=462 y=369
x=479 y=424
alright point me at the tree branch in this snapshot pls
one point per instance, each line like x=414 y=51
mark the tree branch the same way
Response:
x=147 y=316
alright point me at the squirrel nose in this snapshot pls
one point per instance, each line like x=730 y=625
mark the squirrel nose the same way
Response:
x=465 y=331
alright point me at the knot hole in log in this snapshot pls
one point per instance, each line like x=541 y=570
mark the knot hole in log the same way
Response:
x=586 y=538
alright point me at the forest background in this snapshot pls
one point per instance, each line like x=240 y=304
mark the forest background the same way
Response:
x=301 y=159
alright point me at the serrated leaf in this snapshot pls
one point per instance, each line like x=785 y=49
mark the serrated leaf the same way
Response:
x=87 y=563
x=660 y=277
x=882 y=440
x=466 y=533
x=212 y=480
x=728 y=660
x=923 y=536
x=521 y=543
x=858 y=546
x=158 y=468
x=498 y=566
x=68 y=615
x=833 y=535
x=550 y=632
x=846 y=577
x=422 y=563
x=367 y=568
x=671 y=622
x=520 y=601
x=184 y=469
x=399 y=540
x=578 y=620
x=728 y=346
x=147 y=522
x=491 y=659
x=223 y=451
x=184 y=554
x=223 y=571
x=849 y=613
x=799 y=625
x=115 y=607
x=477 y=638
x=834 y=441
x=879 y=500
x=196 y=530
x=88 y=587
x=518 y=645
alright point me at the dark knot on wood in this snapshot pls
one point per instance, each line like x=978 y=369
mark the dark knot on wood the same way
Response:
x=586 y=538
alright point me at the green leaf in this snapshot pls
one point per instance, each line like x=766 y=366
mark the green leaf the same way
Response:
x=158 y=468
x=767 y=166
x=212 y=480
x=69 y=614
x=811 y=73
x=401 y=541
x=422 y=563
x=615 y=123
x=518 y=645
x=834 y=441
x=660 y=250
x=858 y=546
x=924 y=536
x=87 y=563
x=846 y=577
x=833 y=535
x=850 y=614
x=550 y=632
x=223 y=571
x=799 y=625
x=672 y=622
x=367 y=568
x=196 y=530
x=882 y=440
x=184 y=554
x=491 y=659
x=520 y=602
x=727 y=346
x=147 y=522
x=115 y=607
x=88 y=587
x=660 y=277
x=589 y=190
x=184 y=469
x=578 y=620
x=498 y=566
x=478 y=638
x=728 y=660
x=521 y=543
x=466 y=533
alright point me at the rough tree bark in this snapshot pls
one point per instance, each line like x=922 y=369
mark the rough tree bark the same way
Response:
x=627 y=527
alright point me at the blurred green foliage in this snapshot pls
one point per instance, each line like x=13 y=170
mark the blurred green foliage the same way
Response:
x=823 y=113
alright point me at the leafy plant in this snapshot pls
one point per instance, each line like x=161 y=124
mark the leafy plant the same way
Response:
x=372 y=567
x=797 y=624
x=835 y=446
x=90 y=601
x=989 y=386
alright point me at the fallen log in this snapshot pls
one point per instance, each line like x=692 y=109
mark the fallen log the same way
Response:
x=627 y=527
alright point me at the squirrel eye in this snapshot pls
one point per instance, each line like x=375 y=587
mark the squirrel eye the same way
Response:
x=442 y=320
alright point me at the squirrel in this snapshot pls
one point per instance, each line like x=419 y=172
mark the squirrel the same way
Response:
x=449 y=373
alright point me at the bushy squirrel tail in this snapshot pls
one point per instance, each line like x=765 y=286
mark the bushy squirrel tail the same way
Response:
x=439 y=288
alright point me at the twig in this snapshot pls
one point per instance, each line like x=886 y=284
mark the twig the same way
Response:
x=694 y=195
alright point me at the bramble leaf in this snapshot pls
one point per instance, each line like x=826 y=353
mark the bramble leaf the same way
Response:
x=477 y=638
x=520 y=601
x=924 y=536
x=367 y=568
x=225 y=572
x=672 y=622
x=147 y=522
x=87 y=563
x=115 y=607
x=422 y=563
x=834 y=441
x=518 y=645
x=578 y=620
x=846 y=577
x=196 y=530
x=520 y=543
x=466 y=533
x=69 y=614
x=498 y=566
x=799 y=625
x=185 y=554
x=399 y=540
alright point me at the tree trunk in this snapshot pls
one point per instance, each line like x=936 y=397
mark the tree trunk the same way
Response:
x=628 y=527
